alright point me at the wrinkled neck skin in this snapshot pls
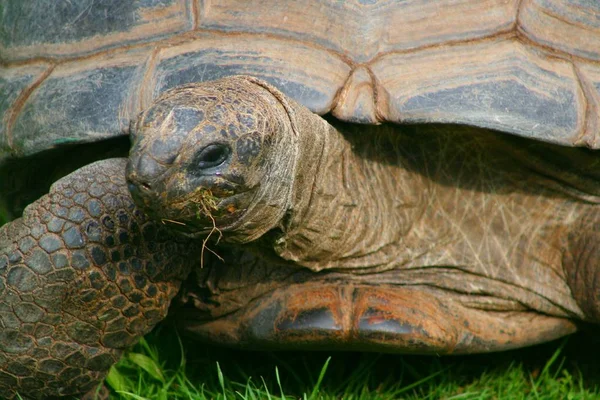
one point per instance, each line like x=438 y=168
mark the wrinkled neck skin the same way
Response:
x=350 y=209
x=344 y=208
x=456 y=209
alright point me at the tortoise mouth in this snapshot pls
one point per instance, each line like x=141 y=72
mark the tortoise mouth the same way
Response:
x=202 y=211
x=190 y=204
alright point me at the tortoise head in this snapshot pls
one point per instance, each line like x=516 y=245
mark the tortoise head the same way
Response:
x=218 y=154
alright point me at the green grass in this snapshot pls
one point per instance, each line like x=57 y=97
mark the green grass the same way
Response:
x=156 y=369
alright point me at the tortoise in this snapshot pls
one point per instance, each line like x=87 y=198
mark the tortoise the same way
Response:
x=469 y=225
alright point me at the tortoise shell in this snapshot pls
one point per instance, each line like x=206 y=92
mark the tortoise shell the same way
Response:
x=75 y=72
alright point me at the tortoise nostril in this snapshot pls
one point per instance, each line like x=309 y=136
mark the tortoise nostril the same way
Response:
x=147 y=168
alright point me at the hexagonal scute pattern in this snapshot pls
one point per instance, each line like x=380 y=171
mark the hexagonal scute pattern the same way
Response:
x=518 y=66
x=83 y=274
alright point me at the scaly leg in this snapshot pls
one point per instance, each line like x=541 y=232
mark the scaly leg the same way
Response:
x=83 y=275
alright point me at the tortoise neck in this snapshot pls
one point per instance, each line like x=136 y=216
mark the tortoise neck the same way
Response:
x=460 y=210
x=354 y=203
x=379 y=199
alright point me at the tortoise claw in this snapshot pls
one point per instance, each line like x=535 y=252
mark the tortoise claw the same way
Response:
x=312 y=315
x=357 y=317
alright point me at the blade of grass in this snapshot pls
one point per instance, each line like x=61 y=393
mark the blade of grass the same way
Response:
x=279 y=382
x=116 y=380
x=147 y=364
x=315 y=390
x=266 y=388
x=420 y=381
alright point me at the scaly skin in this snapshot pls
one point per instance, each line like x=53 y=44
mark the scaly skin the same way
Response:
x=442 y=240
x=83 y=275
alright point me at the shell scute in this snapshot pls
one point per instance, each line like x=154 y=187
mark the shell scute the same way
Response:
x=75 y=28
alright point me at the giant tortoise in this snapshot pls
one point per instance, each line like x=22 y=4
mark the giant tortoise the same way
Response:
x=472 y=224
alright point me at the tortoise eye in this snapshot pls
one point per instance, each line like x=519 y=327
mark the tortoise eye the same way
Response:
x=212 y=156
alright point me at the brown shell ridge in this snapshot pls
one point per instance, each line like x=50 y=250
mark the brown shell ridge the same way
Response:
x=19 y=103
x=519 y=9
x=145 y=90
x=516 y=30
x=357 y=99
x=195 y=8
x=169 y=42
x=589 y=125
x=521 y=35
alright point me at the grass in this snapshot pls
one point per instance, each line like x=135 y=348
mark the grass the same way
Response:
x=163 y=367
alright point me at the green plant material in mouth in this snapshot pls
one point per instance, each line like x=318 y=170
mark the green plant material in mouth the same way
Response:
x=206 y=205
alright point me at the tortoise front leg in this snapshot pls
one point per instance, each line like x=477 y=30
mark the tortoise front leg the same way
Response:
x=83 y=275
